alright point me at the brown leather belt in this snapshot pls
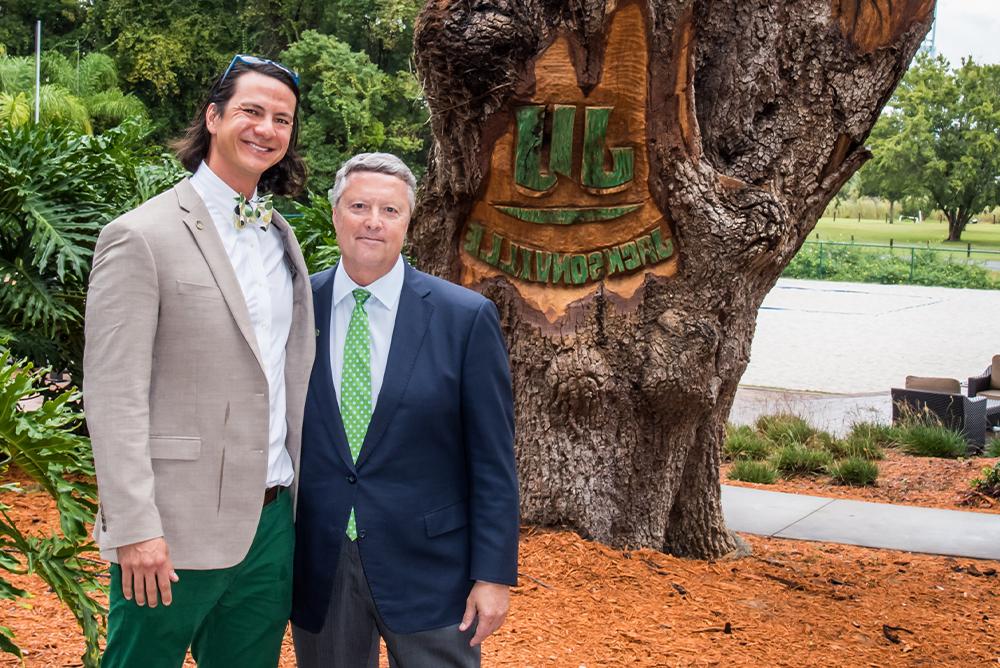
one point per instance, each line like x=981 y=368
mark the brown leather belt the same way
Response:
x=272 y=493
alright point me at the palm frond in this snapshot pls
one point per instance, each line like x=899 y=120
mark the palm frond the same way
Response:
x=60 y=107
x=97 y=74
x=17 y=74
x=111 y=107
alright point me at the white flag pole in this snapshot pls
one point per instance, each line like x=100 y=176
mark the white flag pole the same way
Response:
x=38 y=68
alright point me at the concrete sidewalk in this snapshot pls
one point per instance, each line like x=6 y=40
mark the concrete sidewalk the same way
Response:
x=882 y=525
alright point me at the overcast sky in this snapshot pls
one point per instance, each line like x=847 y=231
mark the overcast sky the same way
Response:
x=969 y=27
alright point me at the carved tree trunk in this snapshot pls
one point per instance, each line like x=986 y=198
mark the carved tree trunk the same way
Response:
x=626 y=180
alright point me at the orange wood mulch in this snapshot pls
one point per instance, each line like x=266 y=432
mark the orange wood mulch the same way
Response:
x=913 y=481
x=581 y=604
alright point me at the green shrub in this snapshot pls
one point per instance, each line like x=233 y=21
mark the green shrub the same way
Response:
x=989 y=481
x=745 y=443
x=748 y=470
x=785 y=429
x=931 y=440
x=57 y=188
x=993 y=447
x=844 y=263
x=855 y=471
x=825 y=441
x=798 y=459
x=864 y=448
x=877 y=433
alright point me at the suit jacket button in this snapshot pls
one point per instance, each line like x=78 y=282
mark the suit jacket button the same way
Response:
x=352 y=478
x=361 y=534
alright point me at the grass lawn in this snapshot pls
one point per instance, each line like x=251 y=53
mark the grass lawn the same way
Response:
x=982 y=236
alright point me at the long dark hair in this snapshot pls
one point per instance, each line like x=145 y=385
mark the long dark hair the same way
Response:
x=288 y=177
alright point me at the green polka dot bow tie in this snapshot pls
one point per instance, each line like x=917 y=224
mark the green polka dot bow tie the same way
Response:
x=257 y=211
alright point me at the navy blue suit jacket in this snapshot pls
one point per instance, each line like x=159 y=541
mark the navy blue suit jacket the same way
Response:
x=435 y=486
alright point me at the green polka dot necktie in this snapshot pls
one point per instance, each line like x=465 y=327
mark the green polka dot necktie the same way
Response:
x=356 y=385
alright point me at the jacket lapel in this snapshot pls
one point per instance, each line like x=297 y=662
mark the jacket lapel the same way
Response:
x=199 y=222
x=322 y=377
x=301 y=303
x=412 y=319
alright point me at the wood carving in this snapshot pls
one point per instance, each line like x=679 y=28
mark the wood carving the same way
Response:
x=566 y=202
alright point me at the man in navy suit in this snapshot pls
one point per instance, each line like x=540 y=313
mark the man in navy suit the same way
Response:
x=407 y=522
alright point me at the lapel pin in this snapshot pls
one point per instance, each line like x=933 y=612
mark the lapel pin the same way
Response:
x=199 y=225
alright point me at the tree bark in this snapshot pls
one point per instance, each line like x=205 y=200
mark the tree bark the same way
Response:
x=957 y=220
x=751 y=116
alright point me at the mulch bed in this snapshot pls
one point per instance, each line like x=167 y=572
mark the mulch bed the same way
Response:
x=792 y=603
x=903 y=479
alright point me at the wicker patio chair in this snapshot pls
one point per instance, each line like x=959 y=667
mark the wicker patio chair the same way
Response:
x=987 y=384
x=954 y=410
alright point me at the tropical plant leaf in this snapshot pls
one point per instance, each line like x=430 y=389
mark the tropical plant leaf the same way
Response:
x=15 y=110
x=44 y=443
x=7 y=642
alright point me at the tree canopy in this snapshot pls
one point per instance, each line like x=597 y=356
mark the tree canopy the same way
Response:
x=939 y=138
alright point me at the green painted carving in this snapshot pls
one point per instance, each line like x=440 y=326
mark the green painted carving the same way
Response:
x=630 y=253
x=561 y=149
x=594 y=137
x=646 y=250
x=528 y=155
x=492 y=256
x=534 y=265
x=578 y=268
x=473 y=238
x=543 y=263
x=596 y=262
x=509 y=266
x=526 y=263
x=560 y=268
x=568 y=216
x=614 y=260
x=663 y=249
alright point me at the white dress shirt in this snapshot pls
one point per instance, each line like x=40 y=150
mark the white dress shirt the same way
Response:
x=382 y=307
x=258 y=258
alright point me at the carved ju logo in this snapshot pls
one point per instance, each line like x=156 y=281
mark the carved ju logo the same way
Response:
x=566 y=204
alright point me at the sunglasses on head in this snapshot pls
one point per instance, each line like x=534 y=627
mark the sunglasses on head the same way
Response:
x=254 y=60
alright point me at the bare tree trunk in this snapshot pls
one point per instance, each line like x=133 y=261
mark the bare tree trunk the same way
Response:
x=957 y=220
x=626 y=180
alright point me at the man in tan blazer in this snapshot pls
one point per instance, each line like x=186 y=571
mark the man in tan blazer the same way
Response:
x=199 y=345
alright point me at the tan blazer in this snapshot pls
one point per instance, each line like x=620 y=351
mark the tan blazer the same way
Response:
x=174 y=389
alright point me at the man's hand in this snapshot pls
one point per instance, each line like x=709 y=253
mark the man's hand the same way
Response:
x=489 y=602
x=148 y=564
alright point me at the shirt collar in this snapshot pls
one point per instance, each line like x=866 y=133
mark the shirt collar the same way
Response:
x=216 y=193
x=385 y=290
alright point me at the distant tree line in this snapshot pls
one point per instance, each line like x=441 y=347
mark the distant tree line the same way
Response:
x=156 y=60
x=937 y=143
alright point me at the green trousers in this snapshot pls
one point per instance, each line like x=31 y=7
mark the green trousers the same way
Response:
x=228 y=617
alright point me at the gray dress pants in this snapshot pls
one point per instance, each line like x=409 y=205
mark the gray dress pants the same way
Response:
x=350 y=634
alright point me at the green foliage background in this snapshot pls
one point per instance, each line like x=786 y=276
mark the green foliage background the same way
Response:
x=938 y=140
x=844 y=263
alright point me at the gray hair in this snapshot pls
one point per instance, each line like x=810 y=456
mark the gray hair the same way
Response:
x=381 y=163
